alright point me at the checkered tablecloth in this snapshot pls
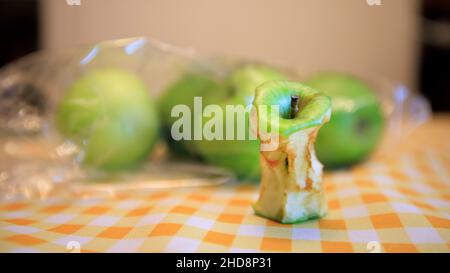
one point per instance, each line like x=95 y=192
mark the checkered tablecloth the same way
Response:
x=395 y=203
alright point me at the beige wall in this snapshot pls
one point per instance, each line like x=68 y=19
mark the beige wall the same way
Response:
x=330 y=34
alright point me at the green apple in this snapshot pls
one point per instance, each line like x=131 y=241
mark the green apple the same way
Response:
x=291 y=188
x=357 y=122
x=110 y=114
x=183 y=91
x=237 y=89
x=239 y=156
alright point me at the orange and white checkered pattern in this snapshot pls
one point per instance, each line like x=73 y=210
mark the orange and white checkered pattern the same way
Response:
x=399 y=203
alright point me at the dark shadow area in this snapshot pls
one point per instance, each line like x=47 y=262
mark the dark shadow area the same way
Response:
x=19 y=28
x=435 y=59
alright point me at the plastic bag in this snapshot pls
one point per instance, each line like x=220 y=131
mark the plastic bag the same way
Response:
x=36 y=161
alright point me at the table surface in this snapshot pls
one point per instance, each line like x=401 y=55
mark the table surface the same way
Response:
x=394 y=203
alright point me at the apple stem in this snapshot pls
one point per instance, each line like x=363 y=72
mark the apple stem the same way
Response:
x=294 y=106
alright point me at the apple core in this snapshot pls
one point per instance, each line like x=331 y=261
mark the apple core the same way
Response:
x=291 y=182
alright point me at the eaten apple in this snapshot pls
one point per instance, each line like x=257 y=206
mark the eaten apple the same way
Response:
x=110 y=114
x=357 y=122
x=291 y=187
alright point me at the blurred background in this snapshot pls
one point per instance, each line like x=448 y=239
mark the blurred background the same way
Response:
x=402 y=40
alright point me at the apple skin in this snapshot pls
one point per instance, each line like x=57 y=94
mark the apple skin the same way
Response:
x=110 y=114
x=313 y=106
x=183 y=91
x=239 y=156
x=356 y=124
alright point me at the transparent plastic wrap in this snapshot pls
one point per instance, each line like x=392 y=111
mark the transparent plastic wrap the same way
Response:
x=38 y=161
